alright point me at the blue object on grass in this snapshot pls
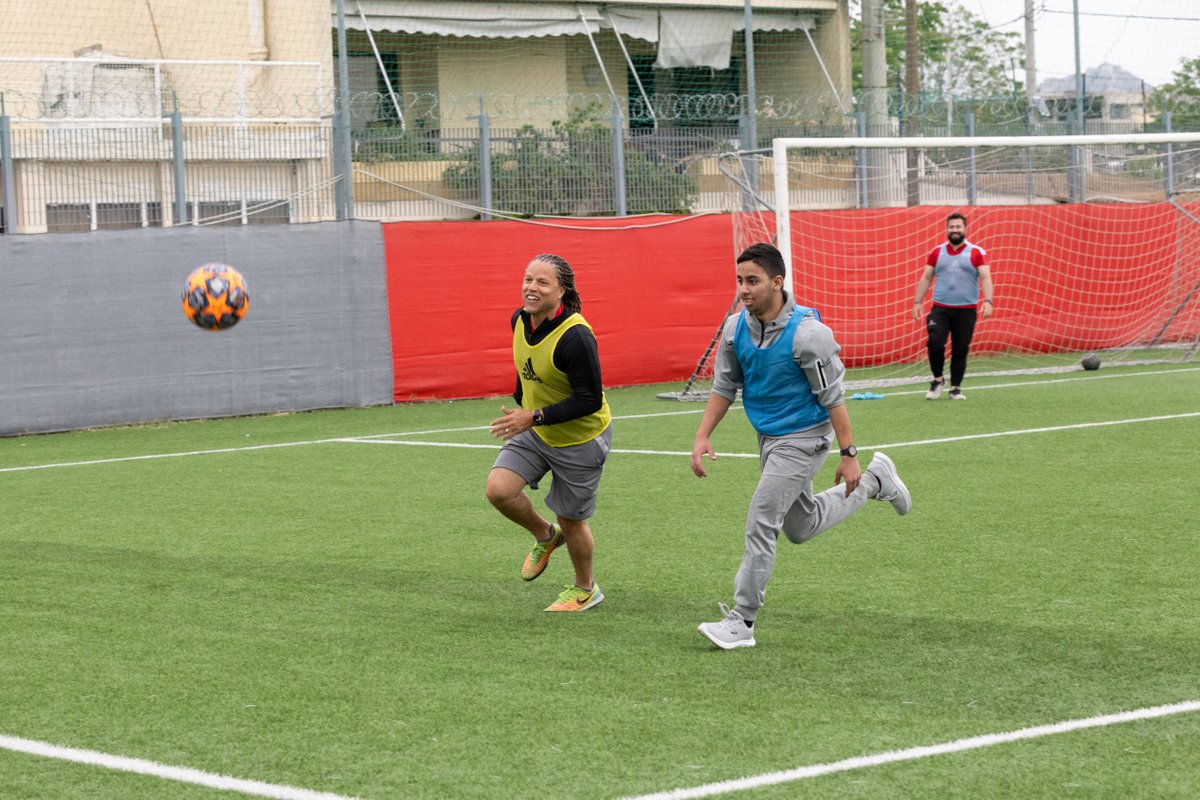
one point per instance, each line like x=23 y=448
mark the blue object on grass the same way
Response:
x=866 y=396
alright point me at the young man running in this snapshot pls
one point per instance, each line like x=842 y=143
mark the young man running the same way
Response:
x=785 y=361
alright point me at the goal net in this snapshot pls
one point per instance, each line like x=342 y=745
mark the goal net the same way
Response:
x=1093 y=241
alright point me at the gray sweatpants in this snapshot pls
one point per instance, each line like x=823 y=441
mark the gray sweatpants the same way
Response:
x=784 y=501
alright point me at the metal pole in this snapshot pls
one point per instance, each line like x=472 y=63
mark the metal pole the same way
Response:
x=632 y=72
x=783 y=223
x=6 y=169
x=875 y=98
x=618 y=157
x=387 y=81
x=860 y=161
x=1078 y=75
x=912 y=94
x=1031 y=91
x=343 y=160
x=971 y=184
x=751 y=89
x=1169 y=160
x=178 y=164
x=1075 y=180
x=485 y=163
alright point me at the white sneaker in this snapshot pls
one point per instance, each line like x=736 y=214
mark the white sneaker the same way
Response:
x=935 y=390
x=891 y=488
x=956 y=394
x=730 y=632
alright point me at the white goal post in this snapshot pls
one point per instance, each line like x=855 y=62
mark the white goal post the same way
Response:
x=781 y=147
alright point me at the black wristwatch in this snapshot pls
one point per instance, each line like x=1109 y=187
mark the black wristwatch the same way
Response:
x=849 y=452
x=539 y=417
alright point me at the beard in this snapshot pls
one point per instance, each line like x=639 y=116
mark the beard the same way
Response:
x=956 y=238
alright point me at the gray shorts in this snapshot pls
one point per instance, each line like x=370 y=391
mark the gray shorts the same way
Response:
x=575 y=469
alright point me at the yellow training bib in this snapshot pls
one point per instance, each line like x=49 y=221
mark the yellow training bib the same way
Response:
x=543 y=384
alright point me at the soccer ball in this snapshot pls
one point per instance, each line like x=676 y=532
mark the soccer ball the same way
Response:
x=214 y=296
x=1090 y=361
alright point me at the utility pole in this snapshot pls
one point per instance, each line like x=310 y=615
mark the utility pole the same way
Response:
x=875 y=102
x=912 y=98
x=1076 y=188
x=1031 y=90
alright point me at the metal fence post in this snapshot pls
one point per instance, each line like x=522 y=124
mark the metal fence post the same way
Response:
x=750 y=132
x=178 y=166
x=485 y=163
x=1169 y=160
x=618 y=158
x=860 y=159
x=971 y=176
x=343 y=156
x=6 y=168
x=747 y=133
x=1076 y=190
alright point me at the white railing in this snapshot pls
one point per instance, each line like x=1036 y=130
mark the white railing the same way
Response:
x=108 y=89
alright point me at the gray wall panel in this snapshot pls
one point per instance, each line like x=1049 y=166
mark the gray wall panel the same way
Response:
x=92 y=331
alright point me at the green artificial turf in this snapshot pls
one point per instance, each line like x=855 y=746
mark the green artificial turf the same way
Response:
x=327 y=601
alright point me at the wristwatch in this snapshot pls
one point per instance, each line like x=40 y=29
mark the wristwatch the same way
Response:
x=849 y=452
x=539 y=417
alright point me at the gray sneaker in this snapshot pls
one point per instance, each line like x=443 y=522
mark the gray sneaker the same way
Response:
x=891 y=488
x=730 y=632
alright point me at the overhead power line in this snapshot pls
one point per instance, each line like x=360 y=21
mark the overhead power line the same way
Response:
x=1120 y=16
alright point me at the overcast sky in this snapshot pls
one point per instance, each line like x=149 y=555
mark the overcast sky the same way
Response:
x=1145 y=37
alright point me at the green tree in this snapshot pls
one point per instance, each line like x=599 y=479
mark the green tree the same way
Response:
x=963 y=61
x=1180 y=96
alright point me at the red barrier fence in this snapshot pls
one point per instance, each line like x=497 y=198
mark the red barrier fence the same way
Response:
x=1072 y=277
x=653 y=288
x=1068 y=277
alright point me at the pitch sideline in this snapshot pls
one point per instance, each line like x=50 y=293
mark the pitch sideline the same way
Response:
x=181 y=774
x=379 y=439
x=385 y=437
x=915 y=753
x=282 y=792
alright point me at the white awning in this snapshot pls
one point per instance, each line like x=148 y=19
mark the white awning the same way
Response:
x=688 y=37
x=498 y=20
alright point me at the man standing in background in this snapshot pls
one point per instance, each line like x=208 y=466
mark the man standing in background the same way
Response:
x=958 y=269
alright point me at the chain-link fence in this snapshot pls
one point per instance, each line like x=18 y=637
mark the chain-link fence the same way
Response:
x=78 y=173
x=429 y=127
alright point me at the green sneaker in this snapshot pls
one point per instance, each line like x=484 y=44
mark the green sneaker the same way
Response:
x=573 y=598
x=539 y=556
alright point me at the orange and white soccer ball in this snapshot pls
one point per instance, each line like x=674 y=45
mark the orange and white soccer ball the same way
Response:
x=215 y=297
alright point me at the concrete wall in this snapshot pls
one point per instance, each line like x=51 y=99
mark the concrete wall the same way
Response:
x=94 y=333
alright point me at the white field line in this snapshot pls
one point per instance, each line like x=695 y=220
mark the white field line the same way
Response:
x=943 y=440
x=181 y=774
x=1018 y=384
x=165 y=455
x=914 y=753
x=380 y=439
x=280 y=792
x=700 y=410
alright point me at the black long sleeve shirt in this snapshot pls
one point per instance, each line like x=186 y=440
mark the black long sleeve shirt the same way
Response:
x=577 y=357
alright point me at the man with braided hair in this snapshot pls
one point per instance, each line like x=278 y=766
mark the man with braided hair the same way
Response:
x=561 y=425
x=785 y=362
